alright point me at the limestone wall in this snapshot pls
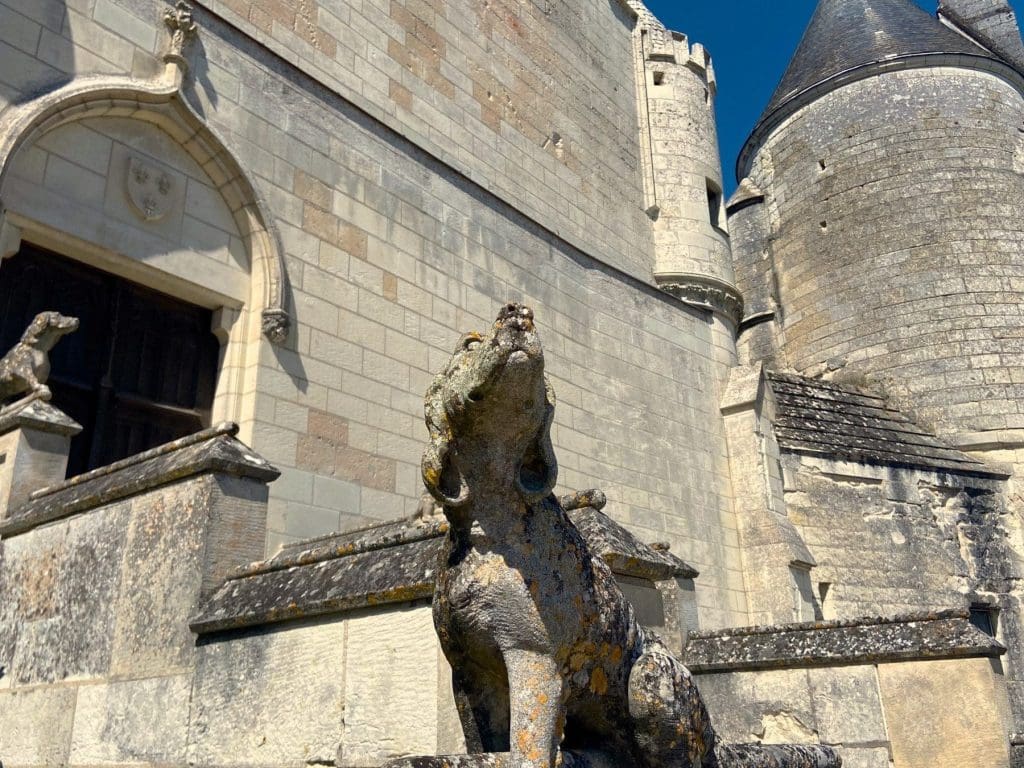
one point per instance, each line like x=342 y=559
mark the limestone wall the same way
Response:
x=894 y=211
x=890 y=541
x=536 y=98
x=95 y=647
x=916 y=714
x=98 y=664
x=351 y=691
x=393 y=246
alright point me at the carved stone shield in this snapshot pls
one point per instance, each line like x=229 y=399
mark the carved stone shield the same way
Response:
x=150 y=189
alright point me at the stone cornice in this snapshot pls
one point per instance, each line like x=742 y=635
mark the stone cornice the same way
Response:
x=705 y=293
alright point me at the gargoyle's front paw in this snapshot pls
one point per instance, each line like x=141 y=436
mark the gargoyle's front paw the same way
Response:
x=43 y=392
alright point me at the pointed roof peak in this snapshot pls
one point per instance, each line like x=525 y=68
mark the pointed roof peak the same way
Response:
x=845 y=34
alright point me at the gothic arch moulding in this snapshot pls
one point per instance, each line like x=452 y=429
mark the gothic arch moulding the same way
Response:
x=158 y=102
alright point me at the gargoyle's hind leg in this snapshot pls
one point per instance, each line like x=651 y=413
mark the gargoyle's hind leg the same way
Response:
x=483 y=708
x=670 y=724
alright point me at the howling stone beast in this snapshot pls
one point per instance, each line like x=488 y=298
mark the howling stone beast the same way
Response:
x=545 y=650
x=24 y=370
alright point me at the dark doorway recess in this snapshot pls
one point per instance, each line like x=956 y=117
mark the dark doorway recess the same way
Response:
x=140 y=370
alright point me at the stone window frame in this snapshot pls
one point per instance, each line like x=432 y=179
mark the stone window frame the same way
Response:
x=160 y=103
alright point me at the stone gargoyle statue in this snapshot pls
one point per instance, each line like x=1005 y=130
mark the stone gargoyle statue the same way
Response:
x=26 y=367
x=549 y=664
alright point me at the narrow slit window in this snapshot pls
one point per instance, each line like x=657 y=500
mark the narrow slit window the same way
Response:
x=714 y=204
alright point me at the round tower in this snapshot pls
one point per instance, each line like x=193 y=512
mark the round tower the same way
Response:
x=884 y=236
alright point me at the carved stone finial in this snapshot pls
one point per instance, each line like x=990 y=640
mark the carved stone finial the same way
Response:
x=182 y=27
x=25 y=368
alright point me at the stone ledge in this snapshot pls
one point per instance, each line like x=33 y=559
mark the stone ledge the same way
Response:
x=389 y=563
x=36 y=413
x=941 y=635
x=212 y=450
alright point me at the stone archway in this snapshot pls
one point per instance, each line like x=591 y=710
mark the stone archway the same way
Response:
x=159 y=103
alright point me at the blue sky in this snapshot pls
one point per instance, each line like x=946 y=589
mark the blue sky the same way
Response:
x=751 y=42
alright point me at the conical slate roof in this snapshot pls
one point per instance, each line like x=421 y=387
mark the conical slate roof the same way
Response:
x=846 y=34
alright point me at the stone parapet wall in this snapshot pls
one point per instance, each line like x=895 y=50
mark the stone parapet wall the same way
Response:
x=99 y=578
x=884 y=693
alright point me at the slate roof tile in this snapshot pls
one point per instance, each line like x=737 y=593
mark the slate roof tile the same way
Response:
x=845 y=423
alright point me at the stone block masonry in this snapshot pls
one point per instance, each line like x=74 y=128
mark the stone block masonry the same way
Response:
x=514 y=93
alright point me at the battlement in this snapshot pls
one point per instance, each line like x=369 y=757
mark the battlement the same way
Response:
x=662 y=44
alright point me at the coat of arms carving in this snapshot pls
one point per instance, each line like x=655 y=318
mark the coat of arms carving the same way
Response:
x=151 y=189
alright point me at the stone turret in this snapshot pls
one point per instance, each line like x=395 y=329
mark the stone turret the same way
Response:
x=683 y=174
x=879 y=223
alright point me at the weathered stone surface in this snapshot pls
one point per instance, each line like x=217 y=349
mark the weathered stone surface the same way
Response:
x=334 y=585
x=135 y=722
x=388 y=563
x=866 y=757
x=161 y=574
x=927 y=636
x=213 y=450
x=391 y=687
x=623 y=552
x=36 y=727
x=271 y=698
x=35 y=439
x=768 y=706
x=60 y=589
x=851 y=424
x=847 y=709
x=924 y=709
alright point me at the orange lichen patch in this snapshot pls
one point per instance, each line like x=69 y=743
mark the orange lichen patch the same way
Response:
x=598 y=682
x=432 y=476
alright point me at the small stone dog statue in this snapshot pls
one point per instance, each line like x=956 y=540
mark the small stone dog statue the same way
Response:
x=26 y=367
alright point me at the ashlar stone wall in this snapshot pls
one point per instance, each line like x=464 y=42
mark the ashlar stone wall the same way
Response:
x=536 y=99
x=891 y=541
x=916 y=714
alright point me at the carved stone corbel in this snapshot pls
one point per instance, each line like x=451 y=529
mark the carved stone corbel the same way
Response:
x=697 y=291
